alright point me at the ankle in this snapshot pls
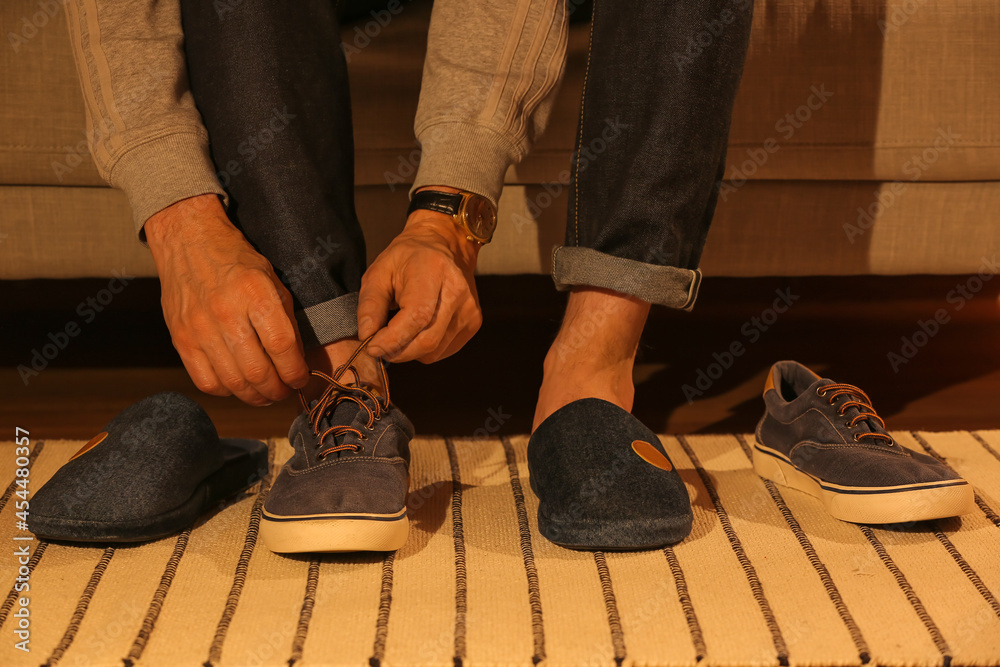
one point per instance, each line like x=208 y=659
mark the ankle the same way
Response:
x=329 y=358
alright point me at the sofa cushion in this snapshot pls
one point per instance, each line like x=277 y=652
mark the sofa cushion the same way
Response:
x=766 y=228
x=884 y=77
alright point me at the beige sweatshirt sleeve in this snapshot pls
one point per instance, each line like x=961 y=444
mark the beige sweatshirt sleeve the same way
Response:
x=145 y=134
x=490 y=77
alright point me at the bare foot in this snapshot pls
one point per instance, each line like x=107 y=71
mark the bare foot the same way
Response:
x=593 y=354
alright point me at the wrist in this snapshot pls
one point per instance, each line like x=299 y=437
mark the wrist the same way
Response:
x=474 y=216
x=173 y=220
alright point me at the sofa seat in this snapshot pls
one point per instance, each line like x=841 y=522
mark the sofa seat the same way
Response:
x=865 y=139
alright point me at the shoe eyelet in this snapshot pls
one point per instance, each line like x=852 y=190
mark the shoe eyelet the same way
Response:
x=856 y=438
x=820 y=393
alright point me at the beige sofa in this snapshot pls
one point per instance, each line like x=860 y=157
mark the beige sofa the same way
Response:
x=865 y=140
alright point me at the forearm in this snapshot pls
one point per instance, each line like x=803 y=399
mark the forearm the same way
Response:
x=144 y=131
x=490 y=77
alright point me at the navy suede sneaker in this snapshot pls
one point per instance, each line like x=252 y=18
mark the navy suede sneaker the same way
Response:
x=153 y=471
x=604 y=481
x=824 y=438
x=345 y=486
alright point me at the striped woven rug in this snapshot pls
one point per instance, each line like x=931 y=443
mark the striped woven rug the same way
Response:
x=766 y=578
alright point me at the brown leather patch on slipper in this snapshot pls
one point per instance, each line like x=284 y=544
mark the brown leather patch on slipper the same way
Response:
x=651 y=455
x=94 y=442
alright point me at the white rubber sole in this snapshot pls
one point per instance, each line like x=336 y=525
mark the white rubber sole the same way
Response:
x=890 y=504
x=334 y=533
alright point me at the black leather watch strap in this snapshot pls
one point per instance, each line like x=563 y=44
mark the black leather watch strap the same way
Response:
x=435 y=200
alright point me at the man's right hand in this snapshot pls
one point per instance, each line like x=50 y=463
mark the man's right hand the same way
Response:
x=229 y=316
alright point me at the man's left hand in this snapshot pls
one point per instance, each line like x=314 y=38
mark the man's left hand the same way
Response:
x=427 y=272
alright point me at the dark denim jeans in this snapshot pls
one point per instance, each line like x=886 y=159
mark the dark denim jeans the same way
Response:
x=651 y=146
x=270 y=81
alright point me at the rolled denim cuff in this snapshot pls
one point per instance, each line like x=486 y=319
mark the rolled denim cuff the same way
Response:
x=664 y=285
x=329 y=321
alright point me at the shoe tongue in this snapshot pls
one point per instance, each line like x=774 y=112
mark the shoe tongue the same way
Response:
x=344 y=414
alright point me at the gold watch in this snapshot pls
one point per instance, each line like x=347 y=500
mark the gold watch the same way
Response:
x=474 y=213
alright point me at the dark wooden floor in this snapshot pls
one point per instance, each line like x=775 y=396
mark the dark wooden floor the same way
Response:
x=845 y=328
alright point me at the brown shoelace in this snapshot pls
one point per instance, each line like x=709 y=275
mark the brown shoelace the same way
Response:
x=336 y=393
x=864 y=406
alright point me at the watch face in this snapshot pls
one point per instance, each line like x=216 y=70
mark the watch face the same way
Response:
x=480 y=217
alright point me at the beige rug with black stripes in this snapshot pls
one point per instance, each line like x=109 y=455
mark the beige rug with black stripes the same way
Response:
x=766 y=578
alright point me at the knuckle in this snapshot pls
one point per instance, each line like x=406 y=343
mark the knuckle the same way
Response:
x=257 y=375
x=183 y=342
x=213 y=386
x=476 y=321
x=235 y=383
x=256 y=285
x=218 y=309
x=282 y=343
x=197 y=322
x=423 y=314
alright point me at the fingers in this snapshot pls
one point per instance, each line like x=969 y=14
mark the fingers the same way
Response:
x=246 y=372
x=464 y=327
x=428 y=339
x=374 y=300
x=229 y=374
x=418 y=308
x=277 y=332
x=456 y=324
x=202 y=373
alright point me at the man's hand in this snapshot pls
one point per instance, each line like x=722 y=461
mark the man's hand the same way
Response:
x=427 y=271
x=229 y=316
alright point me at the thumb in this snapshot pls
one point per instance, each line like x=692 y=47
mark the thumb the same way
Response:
x=373 y=303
